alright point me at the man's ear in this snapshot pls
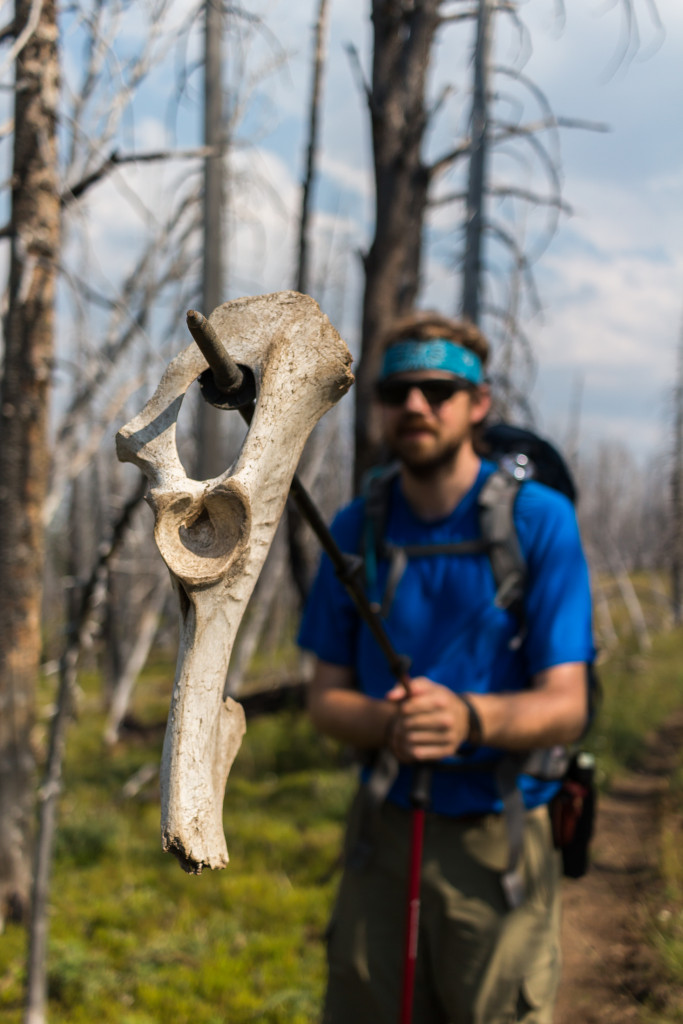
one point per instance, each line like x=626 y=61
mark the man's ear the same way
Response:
x=480 y=403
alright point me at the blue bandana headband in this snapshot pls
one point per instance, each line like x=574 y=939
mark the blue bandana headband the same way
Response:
x=438 y=354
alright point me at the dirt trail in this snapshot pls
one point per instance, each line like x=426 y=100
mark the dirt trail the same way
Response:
x=609 y=970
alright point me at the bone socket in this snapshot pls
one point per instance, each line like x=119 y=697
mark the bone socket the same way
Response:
x=225 y=384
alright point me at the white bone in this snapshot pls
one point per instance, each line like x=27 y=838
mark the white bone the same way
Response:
x=214 y=536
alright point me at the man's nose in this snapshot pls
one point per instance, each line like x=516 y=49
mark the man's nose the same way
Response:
x=416 y=401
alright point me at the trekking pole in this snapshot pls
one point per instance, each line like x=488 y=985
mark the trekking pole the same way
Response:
x=230 y=382
x=420 y=800
x=229 y=386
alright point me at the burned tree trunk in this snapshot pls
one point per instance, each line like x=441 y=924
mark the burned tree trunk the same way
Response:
x=29 y=329
x=209 y=419
x=479 y=121
x=404 y=37
x=301 y=558
x=302 y=282
x=677 y=494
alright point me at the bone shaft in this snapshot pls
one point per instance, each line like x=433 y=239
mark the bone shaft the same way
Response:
x=226 y=373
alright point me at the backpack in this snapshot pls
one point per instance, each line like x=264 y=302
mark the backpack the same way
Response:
x=519 y=455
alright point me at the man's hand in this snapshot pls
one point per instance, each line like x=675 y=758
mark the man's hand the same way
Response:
x=430 y=722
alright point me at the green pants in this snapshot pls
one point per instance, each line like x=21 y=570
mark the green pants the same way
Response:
x=478 y=961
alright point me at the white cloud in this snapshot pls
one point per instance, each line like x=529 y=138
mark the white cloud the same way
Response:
x=611 y=280
x=349 y=175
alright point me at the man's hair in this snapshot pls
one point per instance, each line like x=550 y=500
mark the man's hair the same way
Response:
x=425 y=325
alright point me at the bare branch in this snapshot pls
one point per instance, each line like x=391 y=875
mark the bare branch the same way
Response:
x=447 y=159
x=531 y=197
x=450 y=19
x=87 y=623
x=103 y=60
x=630 y=43
x=505 y=6
x=506 y=191
x=447 y=91
x=550 y=120
x=534 y=127
x=131 y=307
x=70 y=459
x=525 y=47
x=8 y=31
x=361 y=80
x=116 y=159
x=23 y=37
x=520 y=257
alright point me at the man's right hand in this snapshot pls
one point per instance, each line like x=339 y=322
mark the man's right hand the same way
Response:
x=430 y=721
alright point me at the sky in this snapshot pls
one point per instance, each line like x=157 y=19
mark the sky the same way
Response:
x=610 y=280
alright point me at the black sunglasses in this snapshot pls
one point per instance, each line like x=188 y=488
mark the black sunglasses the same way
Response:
x=394 y=392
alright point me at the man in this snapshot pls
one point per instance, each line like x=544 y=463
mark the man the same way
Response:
x=475 y=695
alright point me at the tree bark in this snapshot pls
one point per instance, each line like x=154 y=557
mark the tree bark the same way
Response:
x=404 y=34
x=297 y=537
x=301 y=283
x=479 y=121
x=210 y=421
x=677 y=494
x=24 y=456
x=147 y=628
x=81 y=630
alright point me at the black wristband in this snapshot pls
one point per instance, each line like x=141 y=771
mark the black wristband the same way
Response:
x=474 y=731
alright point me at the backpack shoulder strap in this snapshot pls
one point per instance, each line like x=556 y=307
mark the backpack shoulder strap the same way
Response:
x=375 y=491
x=497 y=524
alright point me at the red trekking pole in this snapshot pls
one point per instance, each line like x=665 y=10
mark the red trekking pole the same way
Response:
x=420 y=800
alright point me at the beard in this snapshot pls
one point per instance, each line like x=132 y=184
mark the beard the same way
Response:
x=430 y=466
x=423 y=465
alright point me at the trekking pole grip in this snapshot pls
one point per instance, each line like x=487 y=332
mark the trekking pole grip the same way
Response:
x=420 y=793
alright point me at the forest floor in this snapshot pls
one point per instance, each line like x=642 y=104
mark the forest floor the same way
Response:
x=612 y=973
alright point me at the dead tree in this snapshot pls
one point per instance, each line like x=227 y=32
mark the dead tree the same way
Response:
x=84 y=625
x=677 y=494
x=24 y=452
x=301 y=283
x=478 y=154
x=39 y=198
x=209 y=421
x=404 y=34
x=301 y=562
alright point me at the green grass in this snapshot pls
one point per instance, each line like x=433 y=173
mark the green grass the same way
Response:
x=639 y=691
x=134 y=940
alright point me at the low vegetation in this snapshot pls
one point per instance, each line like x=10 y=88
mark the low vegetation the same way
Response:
x=134 y=940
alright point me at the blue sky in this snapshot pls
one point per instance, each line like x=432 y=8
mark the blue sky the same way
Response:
x=610 y=281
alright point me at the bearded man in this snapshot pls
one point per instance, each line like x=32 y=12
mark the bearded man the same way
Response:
x=483 y=689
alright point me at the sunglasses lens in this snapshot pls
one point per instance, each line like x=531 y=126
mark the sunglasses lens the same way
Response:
x=438 y=391
x=395 y=392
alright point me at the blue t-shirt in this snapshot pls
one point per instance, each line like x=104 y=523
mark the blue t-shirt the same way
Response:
x=444 y=618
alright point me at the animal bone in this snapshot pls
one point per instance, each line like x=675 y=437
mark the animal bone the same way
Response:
x=214 y=536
